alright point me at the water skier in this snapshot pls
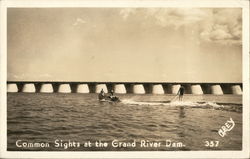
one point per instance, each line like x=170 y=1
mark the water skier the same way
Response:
x=181 y=93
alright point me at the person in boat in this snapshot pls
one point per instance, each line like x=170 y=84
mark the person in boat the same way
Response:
x=181 y=93
x=102 y=94
x=111 y=94
x=113 y=97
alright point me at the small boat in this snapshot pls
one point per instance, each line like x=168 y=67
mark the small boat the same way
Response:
x=114 y=98
x=103 y=98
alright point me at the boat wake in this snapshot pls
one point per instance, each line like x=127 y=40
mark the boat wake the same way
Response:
x=174 y=103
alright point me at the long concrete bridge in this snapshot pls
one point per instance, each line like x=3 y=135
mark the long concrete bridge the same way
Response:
x=123 y=87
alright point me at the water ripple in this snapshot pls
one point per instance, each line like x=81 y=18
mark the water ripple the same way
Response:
x=48 y=117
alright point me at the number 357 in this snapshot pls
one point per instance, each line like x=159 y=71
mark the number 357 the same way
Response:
x=211 y=143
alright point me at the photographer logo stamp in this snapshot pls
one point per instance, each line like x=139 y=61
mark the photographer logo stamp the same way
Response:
x=228 y=126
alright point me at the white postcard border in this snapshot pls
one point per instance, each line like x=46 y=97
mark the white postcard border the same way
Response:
x=4 y=4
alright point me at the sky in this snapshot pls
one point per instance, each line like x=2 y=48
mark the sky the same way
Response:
x=124 y=44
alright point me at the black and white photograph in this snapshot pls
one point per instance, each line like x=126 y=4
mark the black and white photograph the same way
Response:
x=126 y=79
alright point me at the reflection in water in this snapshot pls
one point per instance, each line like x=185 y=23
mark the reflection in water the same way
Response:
x=182 y=112
x=181 y=131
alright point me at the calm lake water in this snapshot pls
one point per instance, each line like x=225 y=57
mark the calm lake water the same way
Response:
x=67 y=118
